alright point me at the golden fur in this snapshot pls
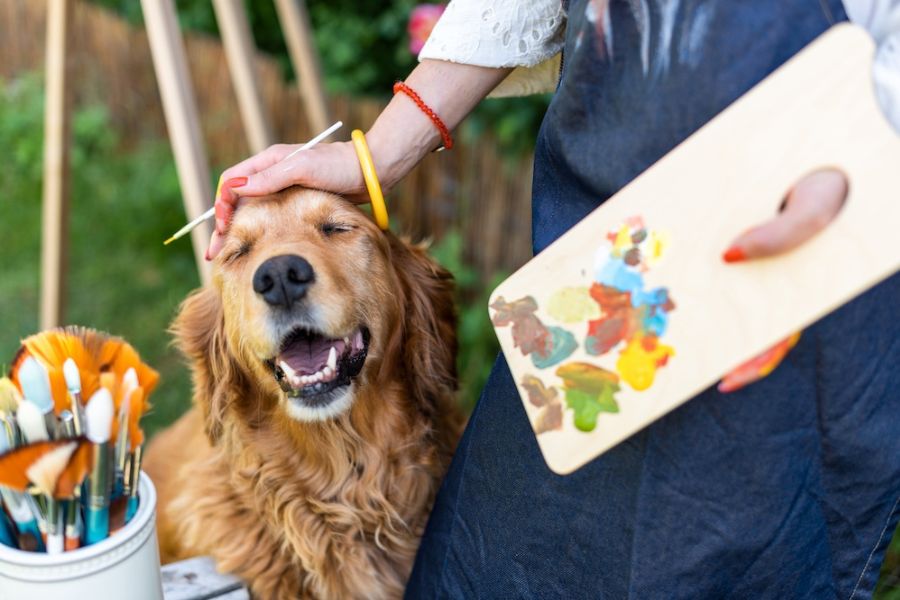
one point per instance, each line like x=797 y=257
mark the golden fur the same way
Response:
x=329 y=508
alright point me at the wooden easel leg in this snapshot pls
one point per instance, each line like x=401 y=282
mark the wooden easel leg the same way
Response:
x=54 y=240
x=182 y=121
x=298 y=34
x=240 y=51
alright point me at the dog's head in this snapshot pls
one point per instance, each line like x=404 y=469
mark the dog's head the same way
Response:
x=311 y=304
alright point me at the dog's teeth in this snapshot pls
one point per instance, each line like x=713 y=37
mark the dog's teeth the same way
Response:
x=332 y=359
x=304 y=379
x=287 y=369
x=329 y=371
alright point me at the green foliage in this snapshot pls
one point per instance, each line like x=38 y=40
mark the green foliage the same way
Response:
x=888 y=587
x=121 y=279
x=478 y=345
x=364 y=48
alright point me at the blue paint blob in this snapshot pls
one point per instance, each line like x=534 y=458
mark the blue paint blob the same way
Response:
x=616 y=274
x=562 y=346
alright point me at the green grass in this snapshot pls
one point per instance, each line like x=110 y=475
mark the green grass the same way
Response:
x=123 y=280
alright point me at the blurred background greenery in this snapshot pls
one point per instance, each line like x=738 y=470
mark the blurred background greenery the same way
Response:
x=122 y=280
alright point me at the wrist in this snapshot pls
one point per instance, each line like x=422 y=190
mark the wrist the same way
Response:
x=399 y=144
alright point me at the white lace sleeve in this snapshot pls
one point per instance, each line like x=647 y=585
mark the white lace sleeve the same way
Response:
x=882 y=19
x=526 y=34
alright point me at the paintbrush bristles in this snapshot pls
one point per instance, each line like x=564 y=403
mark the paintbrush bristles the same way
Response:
x=129 y=382
x=31 y=423
x=36 y=384
x=73 y=377
x=45 y=471
x=98 y=416
x=9 y=396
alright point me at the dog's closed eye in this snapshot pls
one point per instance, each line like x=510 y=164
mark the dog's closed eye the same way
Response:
x=242 y=250
x=330 y=229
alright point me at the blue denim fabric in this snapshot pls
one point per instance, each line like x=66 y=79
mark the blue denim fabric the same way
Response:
x=786 y=489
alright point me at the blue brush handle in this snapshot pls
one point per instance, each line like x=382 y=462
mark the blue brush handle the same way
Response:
x=96 y=527
x=7 y=533
x=31 y=528
x=131 y=508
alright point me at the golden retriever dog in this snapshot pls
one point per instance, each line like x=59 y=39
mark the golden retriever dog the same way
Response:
x=324 y=404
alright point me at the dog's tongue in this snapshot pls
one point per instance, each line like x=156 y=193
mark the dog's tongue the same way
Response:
x=310 y=354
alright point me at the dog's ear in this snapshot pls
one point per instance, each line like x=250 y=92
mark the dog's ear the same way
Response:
x=427 y=333
x=199 y=331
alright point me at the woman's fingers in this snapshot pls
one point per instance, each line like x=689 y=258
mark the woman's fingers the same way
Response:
x=258 y=162
x=331 y=167
x=759 y=366
x=810 y=206
x=216 y=243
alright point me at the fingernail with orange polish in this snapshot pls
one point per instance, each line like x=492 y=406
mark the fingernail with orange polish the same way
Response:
x=236 y=182
x=734 y=254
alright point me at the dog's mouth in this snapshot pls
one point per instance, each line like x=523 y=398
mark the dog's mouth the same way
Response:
x=310 y=365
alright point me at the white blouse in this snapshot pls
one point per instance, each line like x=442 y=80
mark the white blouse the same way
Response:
x=529 y=35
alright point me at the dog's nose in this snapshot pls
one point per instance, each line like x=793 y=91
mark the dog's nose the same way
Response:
x=282 y=280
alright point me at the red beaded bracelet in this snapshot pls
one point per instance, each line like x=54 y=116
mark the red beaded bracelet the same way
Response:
x=445 y=133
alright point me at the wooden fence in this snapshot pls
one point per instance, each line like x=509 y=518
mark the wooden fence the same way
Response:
x=472 y=188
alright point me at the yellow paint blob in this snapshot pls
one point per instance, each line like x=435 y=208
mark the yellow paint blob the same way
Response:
x=658 y=242
x=623 y=239
x=639 y=360
x=573 y=304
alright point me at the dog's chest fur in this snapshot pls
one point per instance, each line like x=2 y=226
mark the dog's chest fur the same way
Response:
x=348 y=528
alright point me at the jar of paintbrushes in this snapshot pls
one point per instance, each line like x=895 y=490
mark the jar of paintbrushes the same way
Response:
x=77 y=516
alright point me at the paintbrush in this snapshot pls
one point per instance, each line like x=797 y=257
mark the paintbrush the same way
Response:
x=34 y=429
x=17 y=504
x=9 y=402
x=36 y=388
x=44 y=473
x=135 y=480
x=212 y=211
x=98 y=424
x=129 y=387
x=73 y=384
x=136 y=439
x=73 y=523
x=71 y=511
x=7 y=532
x=9 y=396
x=31 y=423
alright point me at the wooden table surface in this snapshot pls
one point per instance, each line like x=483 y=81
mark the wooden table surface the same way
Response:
x=197 y=579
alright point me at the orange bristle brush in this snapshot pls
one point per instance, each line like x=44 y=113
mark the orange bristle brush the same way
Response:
x=55 y=467
x=60 y=369
x=52 y=348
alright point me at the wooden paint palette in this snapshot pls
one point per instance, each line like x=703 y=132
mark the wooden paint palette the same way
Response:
x=633 y=312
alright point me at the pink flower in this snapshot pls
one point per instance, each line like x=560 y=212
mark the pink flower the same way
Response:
x=421 y=21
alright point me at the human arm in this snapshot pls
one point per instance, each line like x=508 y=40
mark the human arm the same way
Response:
x=400 y=137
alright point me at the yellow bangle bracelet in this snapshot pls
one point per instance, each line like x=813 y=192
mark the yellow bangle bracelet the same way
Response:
x=379 y=209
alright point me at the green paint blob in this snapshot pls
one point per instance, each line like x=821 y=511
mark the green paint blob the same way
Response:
x=588 y=405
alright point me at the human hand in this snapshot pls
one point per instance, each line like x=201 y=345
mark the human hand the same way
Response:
x=809 y=207
x=332 y=167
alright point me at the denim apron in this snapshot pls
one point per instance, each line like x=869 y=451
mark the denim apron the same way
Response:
x=786 y=489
